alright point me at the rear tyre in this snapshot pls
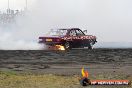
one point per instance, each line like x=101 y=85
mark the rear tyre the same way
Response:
x=67 y=45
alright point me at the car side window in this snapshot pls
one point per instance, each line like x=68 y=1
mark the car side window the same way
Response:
x=79 y=33
x=72 y=33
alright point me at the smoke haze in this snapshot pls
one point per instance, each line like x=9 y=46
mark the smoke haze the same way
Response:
x=109 y=20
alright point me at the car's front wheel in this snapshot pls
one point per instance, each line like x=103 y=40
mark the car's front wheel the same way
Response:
x=90 y=46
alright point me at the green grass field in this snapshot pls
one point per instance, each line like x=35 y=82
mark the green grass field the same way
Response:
x=26 y=80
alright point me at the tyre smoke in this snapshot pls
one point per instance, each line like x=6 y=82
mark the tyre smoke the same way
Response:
x=10 y=41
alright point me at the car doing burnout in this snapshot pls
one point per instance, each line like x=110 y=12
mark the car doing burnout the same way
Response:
x=69 y=38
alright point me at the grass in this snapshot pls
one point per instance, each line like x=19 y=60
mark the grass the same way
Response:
x=16 y=80
x=12 y=80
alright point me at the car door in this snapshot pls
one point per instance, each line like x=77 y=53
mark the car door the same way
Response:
x=73 y=36
x=81 y=41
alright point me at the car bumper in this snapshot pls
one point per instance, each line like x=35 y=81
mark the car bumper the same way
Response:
x=51 y=43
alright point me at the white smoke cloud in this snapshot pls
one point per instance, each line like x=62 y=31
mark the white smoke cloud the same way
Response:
x=8 y=41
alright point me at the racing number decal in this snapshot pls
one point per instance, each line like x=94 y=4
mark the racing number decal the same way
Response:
x=78 y=37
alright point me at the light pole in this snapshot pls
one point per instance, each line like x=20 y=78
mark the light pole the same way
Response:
x=8 y=8
x=26 y=4
x=8 y=4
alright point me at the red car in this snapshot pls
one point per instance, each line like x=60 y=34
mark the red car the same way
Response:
x=68 y=38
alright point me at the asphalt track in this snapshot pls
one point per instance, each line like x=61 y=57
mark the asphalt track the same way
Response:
x=67 y=62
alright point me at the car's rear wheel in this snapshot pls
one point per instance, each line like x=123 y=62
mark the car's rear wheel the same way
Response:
x=67 y=45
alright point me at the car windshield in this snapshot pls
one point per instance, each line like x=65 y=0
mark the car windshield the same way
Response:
x=57 y=32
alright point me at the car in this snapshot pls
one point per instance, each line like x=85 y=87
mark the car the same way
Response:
x=68 y=38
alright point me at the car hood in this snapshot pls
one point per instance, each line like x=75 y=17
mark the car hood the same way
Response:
x=53 y=36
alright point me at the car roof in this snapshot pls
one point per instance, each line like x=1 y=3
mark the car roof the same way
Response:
x=69 y=29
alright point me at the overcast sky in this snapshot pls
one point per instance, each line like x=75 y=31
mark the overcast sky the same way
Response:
x=109 y=20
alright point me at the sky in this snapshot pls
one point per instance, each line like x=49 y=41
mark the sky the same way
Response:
x=109 y=20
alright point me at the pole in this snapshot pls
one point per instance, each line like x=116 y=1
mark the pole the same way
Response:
x=8 y=8
x=8 y=5
x=26 y=4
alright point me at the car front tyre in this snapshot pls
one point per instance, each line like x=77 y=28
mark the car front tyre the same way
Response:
x=90 y=46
